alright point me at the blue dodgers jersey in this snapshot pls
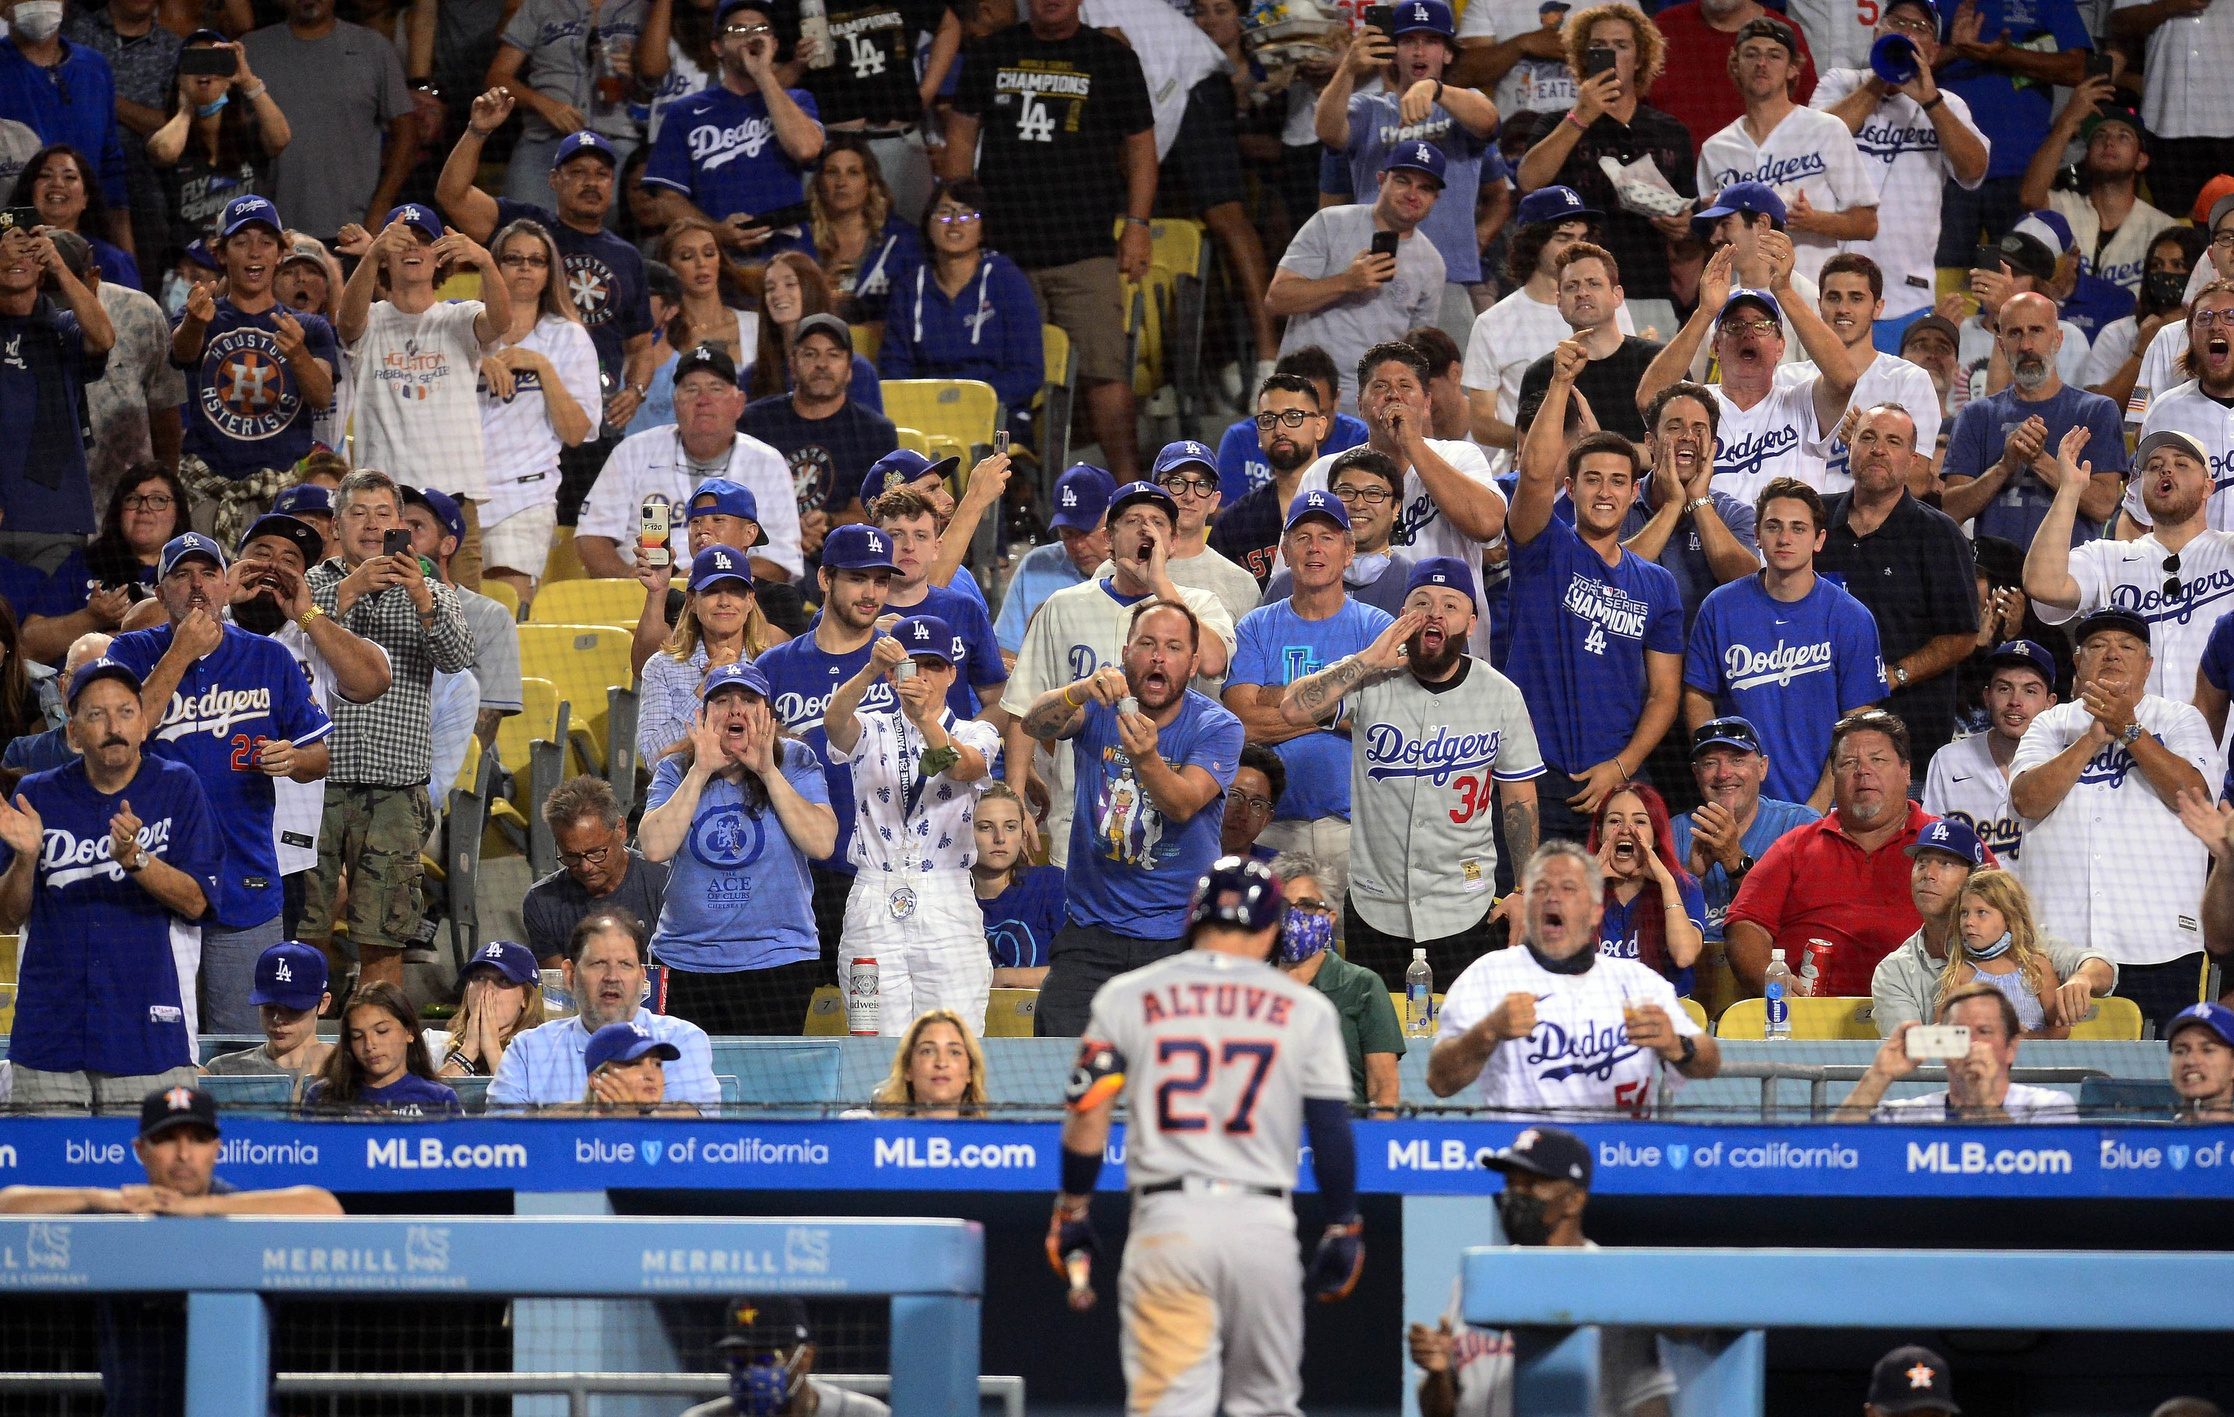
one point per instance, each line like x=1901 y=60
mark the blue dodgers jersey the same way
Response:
x=230 y=702
x=720 y=150
x=244 y=410
x=1790 y=669
x=737 y=891
x=1133 y=872
x=1274 y=645
x=802 y=676
x=1021 y=921
x=1580 y=632
x=98 y=986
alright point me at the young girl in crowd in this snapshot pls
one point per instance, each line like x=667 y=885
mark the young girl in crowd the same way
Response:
x=1023 y=903
x=500 y=997
x=1997 y=943
x=382 y=1062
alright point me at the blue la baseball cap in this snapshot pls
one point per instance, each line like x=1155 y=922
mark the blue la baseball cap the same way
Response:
x=734 y=676
x=290 y=974
x=249 y=211
x=1744 y=295
x=1554 y=204
x=573 y=145
x=2025 y=654
x=720 y=563
x=2216 y=1017
x=1133 y=492
x=900 y=467
x=1951 y=836
x=624 y=1043
x=720 y=497
x=189 y=543
x=1423 y=17
x=1734 y=731
x=1751 y=198
x=418 y=217
x=1186 y=453
x=1416 y=156
x=857 y=546
x=1317 y=504
x=928 y=635
x=98 y=670
x=509 y=958
x=1082 y=496
x=199 y=253
x=444 y=507
x=1446 y=571
x=305 y=499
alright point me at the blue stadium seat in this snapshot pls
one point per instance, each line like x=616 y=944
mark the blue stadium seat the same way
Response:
x=779 y=1070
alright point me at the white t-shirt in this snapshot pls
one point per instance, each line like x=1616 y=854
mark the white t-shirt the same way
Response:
x=299 y=807
x=1579 y=1059
x=1777 y=437
x=2124 y=259
x=2185 y=408
x=1888 y=379
x=1174 y=56
x=521 y=447
x=2113 y=345
x=2023 y=1103
x=1974 y=351
x=2184 y=89
x=653 y=463
x=1531 y=85
x=2160 y=364
x=1508 y=337
x=416 y=380
x=1899 y=144
x=1348 y=327
x=1807 y=152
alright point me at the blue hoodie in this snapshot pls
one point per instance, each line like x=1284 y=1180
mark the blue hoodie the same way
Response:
x=991 y=332
x=889 y=253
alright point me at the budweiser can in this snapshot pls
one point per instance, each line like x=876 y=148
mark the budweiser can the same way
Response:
x=861 y=997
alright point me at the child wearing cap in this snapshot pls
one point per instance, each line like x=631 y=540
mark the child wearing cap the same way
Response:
x=500 y=997
x=289 y=995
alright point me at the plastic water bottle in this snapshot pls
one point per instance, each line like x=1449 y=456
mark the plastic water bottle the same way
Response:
x=1776 y=991
x=861 y=997
x=1419 y=997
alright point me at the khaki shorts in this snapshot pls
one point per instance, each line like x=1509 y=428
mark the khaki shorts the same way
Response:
x=1085 y=299
x=377 y=831
x=521 y=542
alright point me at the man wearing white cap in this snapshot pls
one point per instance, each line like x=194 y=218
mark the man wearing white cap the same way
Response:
x=2203 y=407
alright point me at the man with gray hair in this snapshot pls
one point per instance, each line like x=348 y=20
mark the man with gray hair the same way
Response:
x=598 y=869
x=1602 y=1033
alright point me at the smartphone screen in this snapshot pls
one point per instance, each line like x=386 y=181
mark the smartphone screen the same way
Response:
x=1987 y=258
x=207 y=60
x=2098 y=64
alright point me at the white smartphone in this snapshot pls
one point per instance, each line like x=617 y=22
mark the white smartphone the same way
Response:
x=1938 y=1042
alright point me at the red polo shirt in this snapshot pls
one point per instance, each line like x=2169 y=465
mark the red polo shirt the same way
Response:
x=1816 y=883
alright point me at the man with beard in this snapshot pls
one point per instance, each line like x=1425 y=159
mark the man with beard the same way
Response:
x=1437 y=735
x=2098 y=782
x=1081 y=499
x=1734 y=825
x=2203 y=407
x=2000 y=467
x=1590 y=301
x=1700 y=533
x=1968 y=781
x=829 y=440
x=1083 y=628
x=233 y=707
x=1912 y=566
x=1368 y=484
x=2112 y=226
x=1600 y=1032
x=1290 y=425
x=2036 y=254
x=1152 y=759
x=1851 y=300
x=2177 y=578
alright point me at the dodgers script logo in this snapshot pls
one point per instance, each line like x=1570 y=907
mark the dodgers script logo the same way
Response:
x=2005 y=835
x=246 y=392
x=1885 y=141
x=69 y=858
x=804 y=711
x=1749 y=456
x=1776 y=171
x=713 y=146
x=2178 y=608
x=2108 y=768
x=214 y=711
x=1592 y=1052
x=1442 y=755
x=1749 y=668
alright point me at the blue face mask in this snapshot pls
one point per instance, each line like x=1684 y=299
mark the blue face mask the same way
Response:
x=1995 y=950
x=212 y=109
x=763 y=1385
x=1303 y=934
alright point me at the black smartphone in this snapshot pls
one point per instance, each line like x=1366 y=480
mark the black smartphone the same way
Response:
x=23 y=219
x=1384 y=244
x=208 y=61
x=797 y=214
x=395 y=541
x=1596 y=60
x=1986 y=258
x=1380 y=17
x=2099 y=63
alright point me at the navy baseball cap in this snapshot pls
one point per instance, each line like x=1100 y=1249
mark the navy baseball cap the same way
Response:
x=301 y=534
x=765 y=7
x=1912 y=1379
x=573 y=145
x=734 y=676
x=1133 y=492
x=922 y=635
x=417 y=216
x=1551 y=1152
x=1743 y=295
x=1416 y=156
x=765 y=1322
x=707 y=357
x=1730 y=732
x=2216 y=1017
x=1555 y=204
x=1186 y=453
x=900 y=467
x=189 y=543
x=1751 y=198
x=249 y=211
x=2026 y=654
x=728 y=499
x=2115 y=113
x=1951 y=835
x=2102 y=620
x=176 y=1107
x=1082 y=496
x=625 y=1043
x=1927 y=6
x=199 y=253
x=1317 y=504
x=312 y=497
x=509 y=958
x=715 y=564
x=442 y=505
x=1423 y=17
x=98 y=670
x=291 y=975
x=857 y=546
x=1445 y=571
x=1238 y=893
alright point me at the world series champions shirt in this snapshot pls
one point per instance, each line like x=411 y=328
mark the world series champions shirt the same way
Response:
x=873 y=77
x=246 y=692
x=244 y=410
x=1578 y=1058
x=105 y=979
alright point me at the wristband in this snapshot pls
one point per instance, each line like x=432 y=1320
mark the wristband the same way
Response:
x=255 y=93
x=1071 y=702
x=1577 y=121
x=1080 y=1171
x=304 y=621
x=1438 y=90
x=1139 y=221
x=1936 y=100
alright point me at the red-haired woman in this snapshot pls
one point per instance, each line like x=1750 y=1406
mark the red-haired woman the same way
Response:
x=1655 y=911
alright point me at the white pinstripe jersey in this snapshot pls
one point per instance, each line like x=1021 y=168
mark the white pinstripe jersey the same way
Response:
x=2131 y=575
x=1579 y=1058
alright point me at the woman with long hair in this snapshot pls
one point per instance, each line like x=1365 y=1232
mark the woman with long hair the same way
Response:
x=2114 y=360
x=500 y=997
x=792 y=287
x=382 y=1062
x=1997 y=943
x=861 y=241
x=147 y=509
x=715 y=290
x=936 y=324
x=217 y=144
x=1655 y=911
x=720 y=624
x=21 y=713
x=938 y=1071
x=66 y=191
x=540 y=395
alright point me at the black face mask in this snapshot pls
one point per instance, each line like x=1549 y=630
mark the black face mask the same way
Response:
x=259 y=614
x=2163 y=289
x=1577 y=963
x=1522 y=1215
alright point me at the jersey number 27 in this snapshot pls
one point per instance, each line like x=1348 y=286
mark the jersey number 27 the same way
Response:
x=1179 y=1095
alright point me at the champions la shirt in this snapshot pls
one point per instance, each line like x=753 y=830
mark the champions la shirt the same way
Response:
x=1900 y=146
x=1132 y=871
x=1579 y=1057
x=873 y=77
x=1777 y=437
x=1276 y=646
x=1807 y=152
x=1791 y=669
x=231 y=701
x=244 y=410
x=105 y=974
x=719 y=149
x=1581 y=629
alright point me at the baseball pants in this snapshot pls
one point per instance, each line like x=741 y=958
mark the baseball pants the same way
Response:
x=936 y=958
x=1211 y=1300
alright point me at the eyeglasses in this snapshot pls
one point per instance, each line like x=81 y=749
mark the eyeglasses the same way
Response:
x=524 y=262
x=1911 y=25
x=1256 y=804
x=585 y=858
x=1311 y=905
x=2214 y=319
x=2222 y=239
x=1286 y=417
x=1743 y=328
x=149 y=502
x=2172 y=576
x=745 y=31
x=1179 y=486
x=1363 y=496
x=956 y=218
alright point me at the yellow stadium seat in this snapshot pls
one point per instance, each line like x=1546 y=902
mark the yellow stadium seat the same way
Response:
x=1008 y=1013
x=2114 y=1020
x=465 y=285
x=565 y=561
x=1179 y=268
x=1057 y=397
x=1698 y=1015
x=913 y=441
x=962 y=411
x=591 y=602
x=584 y=662
x=1817 y=1019
x=826 y=1014
x=8 y=976
x=502 y=593
x=868 y=341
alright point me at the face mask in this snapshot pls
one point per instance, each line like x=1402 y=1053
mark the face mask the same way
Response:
x=37 y=20
x=211 y=110
x=2163 y=289
x=1366 y=568
x=1523 y=1217
x=762 y=1387
x=175 y=290
x=1303 y=935
x=1995 y=950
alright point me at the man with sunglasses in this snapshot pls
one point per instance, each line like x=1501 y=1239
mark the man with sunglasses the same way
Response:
x=598 y=869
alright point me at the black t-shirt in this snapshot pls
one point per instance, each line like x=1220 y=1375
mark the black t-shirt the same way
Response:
x=604 y=277
x=1053 y=116
x=1635 y=242
x=1248 y=532
x=1915 y=573
x=828 y=456
x=1610 y=384
x=873 y=76
x=195 y=191
x=554 y=905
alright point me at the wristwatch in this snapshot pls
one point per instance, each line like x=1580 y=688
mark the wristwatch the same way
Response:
x=303 y=622
x=137 y=864
x=1745 y=864
x=1691 y=508
x=1690 y=1050
x=1899 y=676
x=2132 y=733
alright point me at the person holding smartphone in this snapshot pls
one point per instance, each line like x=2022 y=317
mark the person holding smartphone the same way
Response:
x=1984 y=1028
x=218 y=143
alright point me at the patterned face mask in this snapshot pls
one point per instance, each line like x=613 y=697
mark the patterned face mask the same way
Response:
x=1303 y=934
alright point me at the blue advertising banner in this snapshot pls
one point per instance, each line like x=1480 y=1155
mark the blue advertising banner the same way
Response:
x=1412 y=1157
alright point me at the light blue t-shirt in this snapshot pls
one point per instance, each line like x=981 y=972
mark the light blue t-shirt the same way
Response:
x=1274 y=645
x=1133 y=872
x=1771 y=819
x=1041 y=572
x=737 y=892
x=1376 y=126
x=1790 y=669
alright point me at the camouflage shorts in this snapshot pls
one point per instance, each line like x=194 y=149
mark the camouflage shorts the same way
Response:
x=377 y=832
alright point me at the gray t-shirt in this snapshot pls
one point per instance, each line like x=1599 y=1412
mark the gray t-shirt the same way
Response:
x=255 y=1062
x=554 y=35
x=554 y=905
x=496 y=657
x=339 y=92
x=1325 y=246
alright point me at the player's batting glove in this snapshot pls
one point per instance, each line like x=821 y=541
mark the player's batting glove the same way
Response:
x=1340 y=1259
x=1070 y=1232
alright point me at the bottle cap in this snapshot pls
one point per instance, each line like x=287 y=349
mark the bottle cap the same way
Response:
x=1419 y=954
x=1777 y=956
